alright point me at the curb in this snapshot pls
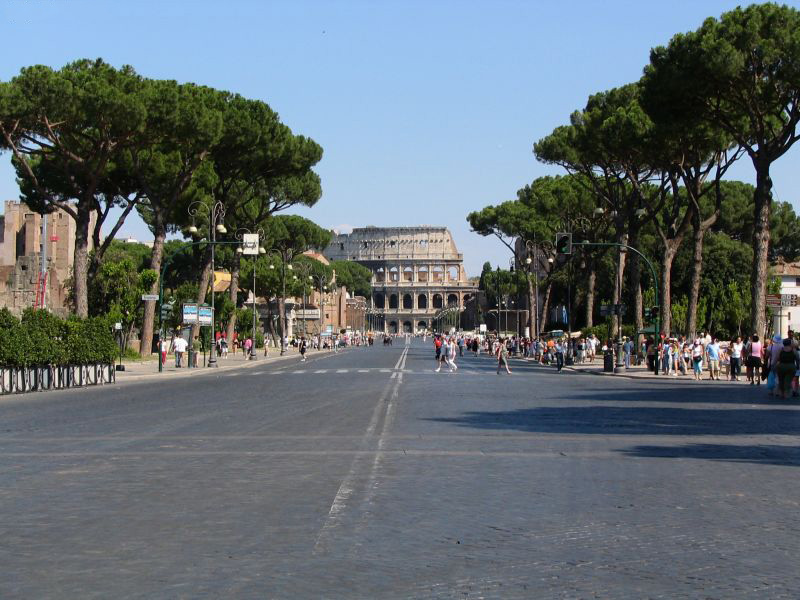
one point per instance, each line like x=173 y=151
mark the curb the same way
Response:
x=245 y=364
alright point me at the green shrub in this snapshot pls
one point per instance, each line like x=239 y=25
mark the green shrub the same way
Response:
x=41 y=338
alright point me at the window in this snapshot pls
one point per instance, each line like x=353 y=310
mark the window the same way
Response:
x=341 y=245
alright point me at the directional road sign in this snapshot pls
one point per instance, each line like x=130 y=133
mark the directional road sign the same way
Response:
x=147 y=297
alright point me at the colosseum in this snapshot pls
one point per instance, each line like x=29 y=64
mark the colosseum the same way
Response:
x=416 y=271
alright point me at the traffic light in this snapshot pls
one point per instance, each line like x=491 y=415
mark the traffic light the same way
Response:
x=647 y=313
x=564 y=243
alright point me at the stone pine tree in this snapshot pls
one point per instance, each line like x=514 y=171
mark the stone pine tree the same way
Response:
x=183 y=123
x=290 y=236
x=66 y=129
x=741 y=72
x=258 y=203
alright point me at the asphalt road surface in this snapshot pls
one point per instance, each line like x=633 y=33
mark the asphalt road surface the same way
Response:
x=367 y=475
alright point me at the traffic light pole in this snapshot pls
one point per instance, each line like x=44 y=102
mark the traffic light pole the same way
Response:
x=652 y=273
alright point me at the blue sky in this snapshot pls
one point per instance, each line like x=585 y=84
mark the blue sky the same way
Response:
x=426 y=110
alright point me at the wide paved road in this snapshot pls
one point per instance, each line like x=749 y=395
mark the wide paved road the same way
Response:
x=367 y=475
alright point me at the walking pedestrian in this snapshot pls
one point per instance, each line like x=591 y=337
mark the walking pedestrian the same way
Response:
x=441 y=352
x=712 y=357
x=754 y=355
x=697 y=359
x=502 y=356
x=785 y=368
x=450 y=355
x=303 y=348
x=180 y=345
x=559 y=349
x=735 y=350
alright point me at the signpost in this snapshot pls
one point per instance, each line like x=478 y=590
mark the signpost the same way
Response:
x=205 y=315
x=189 y=314
x=149 y=297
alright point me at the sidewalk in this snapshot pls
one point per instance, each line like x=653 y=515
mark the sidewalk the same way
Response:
x=642 y=372
x=138 y=370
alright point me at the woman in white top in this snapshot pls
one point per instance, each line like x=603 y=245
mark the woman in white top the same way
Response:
x=735 y=350
x=450 y=355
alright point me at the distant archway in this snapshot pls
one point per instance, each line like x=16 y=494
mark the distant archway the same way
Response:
x=422 y=301
x=393 y=301
x=437 y=301
x=407 y=327
x=452 y=299
x=422 y=274
x=379 y=300
x=393 y=327
x=408 y=301
x=422 y=326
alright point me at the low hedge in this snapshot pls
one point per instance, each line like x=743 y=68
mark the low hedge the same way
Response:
x=40 y=338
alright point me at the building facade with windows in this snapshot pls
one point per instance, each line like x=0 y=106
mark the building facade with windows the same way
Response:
x=416 y=272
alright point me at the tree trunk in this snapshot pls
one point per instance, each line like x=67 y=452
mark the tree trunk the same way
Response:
x=234 y=294
x=156 y=258
x=636 y=287
x=545 y=306
x=762 y=200
x=80 y=269
x=697 y=272
x=531 y=307
x=202 y=292
x=618 y=279
x=590 y=286
x=670 y=250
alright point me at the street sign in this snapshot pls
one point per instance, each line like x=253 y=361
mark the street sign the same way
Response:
x=205 y=314
x=788 y=299
x=189 y=314
x=773 y=300
x=149 y=297
x=482 y=328
x=606 y=309
x=118 y=326
x=250 y=243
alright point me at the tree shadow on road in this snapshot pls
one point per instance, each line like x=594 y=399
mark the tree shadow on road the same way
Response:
x=760 y=454
x=634 y=420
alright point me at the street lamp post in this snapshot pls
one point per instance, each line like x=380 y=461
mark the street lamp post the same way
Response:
x=216 y=216
x=251 y=246
x=322 y=282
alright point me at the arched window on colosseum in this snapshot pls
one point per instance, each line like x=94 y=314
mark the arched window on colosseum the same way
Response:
x=393 y=301
x=394 y=274
x=380 y=275
x=452 y=300
x=408 y=274
x=422 y=274
x=438 y=274
x=422 y=301
x=379 y=300
x=408 y=301
x=452 y=274
x=408 y=327
x=393 y=327
x=422 y=326
x=467 y=297
x=437 y=301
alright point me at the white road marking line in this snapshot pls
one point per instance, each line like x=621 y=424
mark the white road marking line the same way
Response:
x=347 y=486
x=298 y=371
x=321 y=371
x=363 y=370
x=342 y=370
x=393 y=375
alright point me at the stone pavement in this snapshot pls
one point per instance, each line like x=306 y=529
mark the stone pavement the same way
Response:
x=366 y=474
